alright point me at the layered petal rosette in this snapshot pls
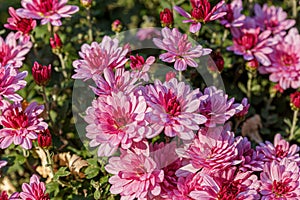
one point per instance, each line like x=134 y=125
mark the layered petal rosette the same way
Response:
x=173 y=109
x=233 y=17
x=179 y=49
x=46 y=10
x=35 y=190
x=116 y=121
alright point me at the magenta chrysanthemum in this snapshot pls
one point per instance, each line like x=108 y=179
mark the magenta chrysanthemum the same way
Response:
x=135 y=176
x=179 y=49
x=116 y=121
x=98 y=56
x=285 y=61
x=280 y=180
x=35 y=190
x=272 y=18
x=47 y=10
x=280 y=150
x=233 y=18
x=21 y=126
x=13 y=50
x=11 y=81
x=173 y=109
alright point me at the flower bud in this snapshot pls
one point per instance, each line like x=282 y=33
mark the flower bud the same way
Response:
x=55 y=43
x=86 y=3
x=295 y=100
x=45 y=139
x=41 y=74
x=252 y=65
x=116 y=26
x=216 y=61
x=166 y=18
x=137 y=62
x=170 y=75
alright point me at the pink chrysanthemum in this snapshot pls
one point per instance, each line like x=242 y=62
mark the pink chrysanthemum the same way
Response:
x=173 y=109
x=201 y=13
x=11 y=81
x=228 y=185
x=134 y=176
x=233 y=18
x=179 y=49
x=285 y=61
x=13 y=50
x=280 y=181
x=22 y=25
x=98 y=56
x=21 y=126
x=213 y=153
x=280 y=150
x=116 y=121
x=147 y=33
x=252 y=43
x=272 y=18
x=46 y=10
x=140 y=67
x=216 y=107
x=14 y=196
x=35 y=190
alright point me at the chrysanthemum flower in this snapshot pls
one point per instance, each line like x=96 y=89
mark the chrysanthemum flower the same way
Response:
x=272 y=18
x=201 y=13
x=179 y=49
x=11 y=81
x=134 y=176
x=14 y=196
x=280 y=180
x=280 y=150
x=140 y=67
x=216 y=107
x=21 y=126
x=285 y=61
x=98 y=56
x=13 y=50
x=233 y=18
x=35 y=190
x=47 y=10
x=116 y=121
x=173 y=109
x=242 y=113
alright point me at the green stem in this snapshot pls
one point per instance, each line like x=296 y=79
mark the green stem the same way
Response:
x=47 y=105
x=180 y=76
x=249 y=85
x=89 y=19
x=295 y=119
x=63 y=66
x=49 y=163
x=294 y=8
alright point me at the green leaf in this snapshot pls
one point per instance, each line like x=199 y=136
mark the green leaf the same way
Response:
x=53 y=187
x=97 y=194
x=91 y=172
x=242 y=87
x=60 y=173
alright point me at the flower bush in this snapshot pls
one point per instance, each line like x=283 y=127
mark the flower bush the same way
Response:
x=149 y=100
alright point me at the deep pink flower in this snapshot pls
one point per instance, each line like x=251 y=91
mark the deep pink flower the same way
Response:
x=22 y=25
x=166 y=18
x=116 y=121
x=285 y=61
x=41 y=73
x=233 y=18
x=295 y=100
x=173 y=109
x=242 y=113
x=46 y=10
x=55 y=42
x=280 y=150
x=170 y=75
x=140 y=67
x=216 y=107
x=11 y=81
x=272 y=18
x=179 y=49
x=98 y=56
x=280 y=180
x=201 y=13
x=14 y=196
x=35 y=190
x=20 y=126
x=44 y=138
x=13 y=50
x=134 y=176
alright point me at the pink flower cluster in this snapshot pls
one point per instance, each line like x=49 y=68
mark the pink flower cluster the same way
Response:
x=267 y=37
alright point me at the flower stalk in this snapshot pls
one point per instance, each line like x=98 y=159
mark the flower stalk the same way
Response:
x=295 y=119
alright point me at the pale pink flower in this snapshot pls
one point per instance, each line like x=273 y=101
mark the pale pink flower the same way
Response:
x=216 y=107
x=173 y=109
x=20 y=126
x=251 y=43
x=147 y=33
x=116 y=121
x=35 y=190
x=46 y=10
x=280 y=150
x=13 y=50
x=233 y=18
x=179 y=49
x=272 y=18
x=134 y=176
x=201 y=13
x=98 y=56
x=11 y=80
x=285 y=61
x=280 y=181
